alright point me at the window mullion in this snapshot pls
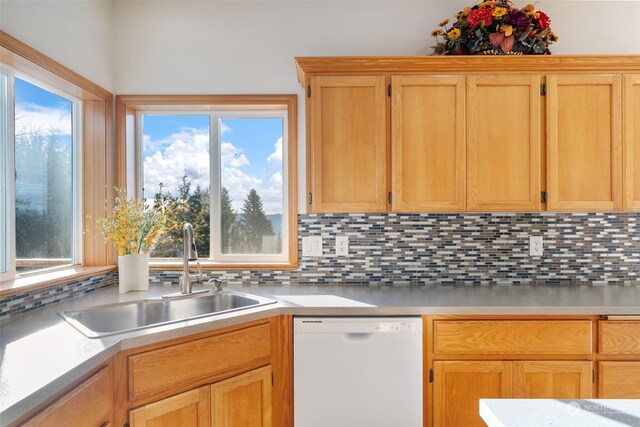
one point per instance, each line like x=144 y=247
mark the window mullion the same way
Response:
x=215 y=172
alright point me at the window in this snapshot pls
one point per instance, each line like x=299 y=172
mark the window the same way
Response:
x=231 y=162
x=40 y=177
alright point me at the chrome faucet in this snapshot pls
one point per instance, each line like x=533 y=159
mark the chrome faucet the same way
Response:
x=190 y=254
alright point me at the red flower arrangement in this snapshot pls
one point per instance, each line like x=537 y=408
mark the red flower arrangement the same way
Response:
x=495 y=27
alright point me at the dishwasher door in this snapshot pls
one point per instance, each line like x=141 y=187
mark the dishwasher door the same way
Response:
x=357 y=372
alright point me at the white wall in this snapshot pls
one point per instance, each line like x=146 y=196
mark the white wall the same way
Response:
x=77 y=34
x=169 y=47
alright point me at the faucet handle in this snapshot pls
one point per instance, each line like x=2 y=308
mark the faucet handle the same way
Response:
x=217 y=284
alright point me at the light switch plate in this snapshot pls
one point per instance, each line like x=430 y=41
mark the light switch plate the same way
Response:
x=312 y=246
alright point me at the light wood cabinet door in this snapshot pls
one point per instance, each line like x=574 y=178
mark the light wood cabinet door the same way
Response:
x=458 y=386
x=188 y=409
x=619 y=380
x=243 y=401
x=89 y=404
x=584 y=155
x=348 y=163
x=428 y=143
x=503 y=143
x=553 y=380
x=631 y=135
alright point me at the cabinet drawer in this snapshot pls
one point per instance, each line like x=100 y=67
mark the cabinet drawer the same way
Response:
x=619 y=337
x=469 y=337
x=188 y=363
x=89 y=404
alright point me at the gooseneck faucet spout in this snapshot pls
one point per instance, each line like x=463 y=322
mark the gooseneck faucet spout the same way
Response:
x=190 y=254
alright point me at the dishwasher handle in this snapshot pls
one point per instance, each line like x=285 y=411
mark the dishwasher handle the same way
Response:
x=357 y=336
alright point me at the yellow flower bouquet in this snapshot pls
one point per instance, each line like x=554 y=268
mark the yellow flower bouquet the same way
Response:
x=135 y=226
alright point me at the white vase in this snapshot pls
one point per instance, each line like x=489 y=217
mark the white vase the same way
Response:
x=133 y=272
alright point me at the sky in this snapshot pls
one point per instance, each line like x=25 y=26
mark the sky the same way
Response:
x=250 y=149
x=38 y=110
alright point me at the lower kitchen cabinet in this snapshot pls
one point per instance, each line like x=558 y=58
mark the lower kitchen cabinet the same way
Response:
x=188 y=409
x=458 y=386
x=243 y=401
x=619 y=380
x=240 y=401
x=89 y=404
x=552 y=380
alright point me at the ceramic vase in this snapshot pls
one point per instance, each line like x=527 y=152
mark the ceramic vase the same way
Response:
x=133 y=272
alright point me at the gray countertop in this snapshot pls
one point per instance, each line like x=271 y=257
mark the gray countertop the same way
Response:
x=40 y=354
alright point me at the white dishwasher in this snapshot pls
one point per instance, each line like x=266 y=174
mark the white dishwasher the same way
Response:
x=357 y=372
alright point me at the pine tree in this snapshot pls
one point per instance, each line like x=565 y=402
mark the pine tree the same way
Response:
x=254 y=223
x=228 y=224
x=198 y=216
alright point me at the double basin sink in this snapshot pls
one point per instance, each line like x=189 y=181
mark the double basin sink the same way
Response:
x=111 y=319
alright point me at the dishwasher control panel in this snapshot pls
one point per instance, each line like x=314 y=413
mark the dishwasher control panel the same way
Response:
x=356 y=325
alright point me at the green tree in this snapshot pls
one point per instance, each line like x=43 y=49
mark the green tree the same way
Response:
x=254 y=223
x=198 y=216
x=44 y=194
x=229 y=237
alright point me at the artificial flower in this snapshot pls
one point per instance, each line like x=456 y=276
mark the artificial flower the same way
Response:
x=453 y=34
x=543 y=20
x=443 y=23
x=499 y=12
x=436 y=32
x=478 y=16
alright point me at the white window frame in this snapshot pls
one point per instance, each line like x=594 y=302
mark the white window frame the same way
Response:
x=215 y=172
x=8 y=203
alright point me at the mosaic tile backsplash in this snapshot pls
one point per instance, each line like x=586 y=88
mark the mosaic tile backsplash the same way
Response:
x=465 y=248
x=29 y=301
x=403 y=249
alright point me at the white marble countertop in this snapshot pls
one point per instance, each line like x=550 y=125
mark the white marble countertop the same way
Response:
x=560 y=413
x=40 y=354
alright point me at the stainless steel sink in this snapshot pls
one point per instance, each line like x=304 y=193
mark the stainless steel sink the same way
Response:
x=104 y=320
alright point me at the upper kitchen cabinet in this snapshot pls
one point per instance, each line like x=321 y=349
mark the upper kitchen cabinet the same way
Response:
x=584 y=150
x=467 y=133
x=631 y=135
x=428 y=143
x=348 y=144
x=503 y=143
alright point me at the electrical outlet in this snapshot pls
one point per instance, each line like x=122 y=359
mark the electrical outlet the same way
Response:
x=536 y=246
x=342 y=245
x=312 y=246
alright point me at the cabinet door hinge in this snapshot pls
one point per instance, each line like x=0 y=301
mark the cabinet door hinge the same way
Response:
x=389 y=197
x=389 y=89
x=543 y=196
x=430 y=375
x=543 y=89
x=310 y=198
x=593 y=376
x=308 y=91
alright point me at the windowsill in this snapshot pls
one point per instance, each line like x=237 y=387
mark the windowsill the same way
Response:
x=34 y=282
x=212 y=265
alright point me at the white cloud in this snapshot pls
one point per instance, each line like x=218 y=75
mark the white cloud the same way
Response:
x=189 y=149
x=224 y=129
x=37 y=117
x=186 y=150
x=232 y=155
x=276 y=156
